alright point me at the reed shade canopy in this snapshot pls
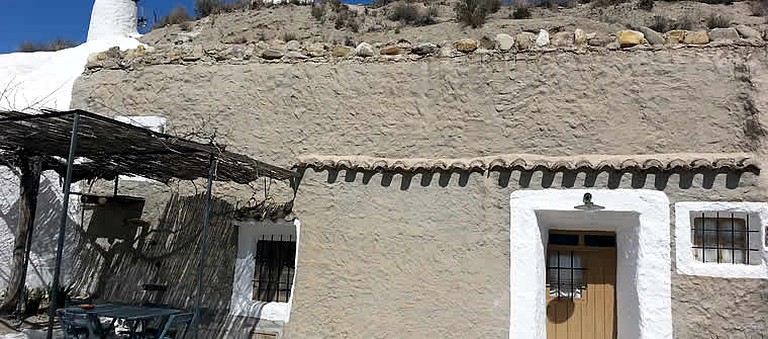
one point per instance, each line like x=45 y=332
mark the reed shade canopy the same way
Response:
x=107 y=148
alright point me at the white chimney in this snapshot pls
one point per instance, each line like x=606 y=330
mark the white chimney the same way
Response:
x=113 y=19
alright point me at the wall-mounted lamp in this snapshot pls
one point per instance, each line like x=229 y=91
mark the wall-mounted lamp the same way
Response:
x=588 y=204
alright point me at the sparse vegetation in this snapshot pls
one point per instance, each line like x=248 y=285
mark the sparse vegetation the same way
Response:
x=606 y=3
x=318 y=12
x=685 y=22
x=521 y=12
x=645 y=5
x=204 y=8
x=178 y=15
x=474 y=12
x=53 y=45
x=288 y=36
x=718 y=21
x=412 y=14
x=759 y=7
x=660 y=24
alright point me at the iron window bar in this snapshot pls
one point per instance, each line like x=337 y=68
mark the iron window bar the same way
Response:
x=572 y=286
x=274 y=268
x=701 y=243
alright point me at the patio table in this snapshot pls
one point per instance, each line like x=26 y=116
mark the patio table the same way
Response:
x=132 y=314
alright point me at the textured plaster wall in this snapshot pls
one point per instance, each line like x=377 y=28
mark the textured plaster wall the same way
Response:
x=427 y=255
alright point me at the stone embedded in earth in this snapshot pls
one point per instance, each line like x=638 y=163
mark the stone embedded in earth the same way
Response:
x=562 y=39
x=341 y=51
x=748 y=32
x=316 y=49
x=365 y=50
x=542 y=39
x=599 y=39
x=653 y=37
x=389 y=50
x=675 y=36
x=424 y=48
x=724 y=34
x=696 y=38
x=525 y=40
x=580 y=37
x=197 y=53
x=292 y=45
x=465 y=45
x=295 y=55
x=629 y=38
x=272 y=54
x=503 y=42
x=486 y=42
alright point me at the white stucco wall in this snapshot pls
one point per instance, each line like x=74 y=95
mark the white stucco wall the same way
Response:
x=687 y=264
x=640 y=219
x=33 y=81
x=242 y=286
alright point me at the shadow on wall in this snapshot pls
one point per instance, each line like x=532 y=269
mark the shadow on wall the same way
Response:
x=550 y=179
x=44 y=237
x=168 y=256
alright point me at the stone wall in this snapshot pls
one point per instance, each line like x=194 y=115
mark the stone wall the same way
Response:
x=427 y=254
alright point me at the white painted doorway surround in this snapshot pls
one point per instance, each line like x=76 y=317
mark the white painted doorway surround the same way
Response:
x=641 y=220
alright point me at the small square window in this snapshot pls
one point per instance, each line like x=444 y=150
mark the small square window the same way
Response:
x=565 y=274
x=725 y=237
x=275 y=266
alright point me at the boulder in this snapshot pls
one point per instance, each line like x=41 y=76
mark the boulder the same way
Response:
x=579 y=37
x=365 y=50
x=724 y=34
x=653 y=37
x=389 y=50
x=525 y=40
x=197 y=53
x=675 y=36
x=562 y=39
x=542 y=39
x=316 y=49
x=341 y=51
x=747 y=32
x=465 y=45
x=629 y=38
x=424 y=48
x=292 y=45
x=486 y=42
x=272 y=54
x=503 y=42
x=599 y=39
x=696 y=38
x=94 y=60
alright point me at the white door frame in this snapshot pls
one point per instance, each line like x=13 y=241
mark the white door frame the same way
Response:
x=641 y=221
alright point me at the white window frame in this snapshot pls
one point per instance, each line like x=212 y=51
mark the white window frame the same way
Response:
x=242 y=303
x=687 y=263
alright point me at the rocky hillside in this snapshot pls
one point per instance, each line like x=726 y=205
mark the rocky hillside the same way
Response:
x=374 y=25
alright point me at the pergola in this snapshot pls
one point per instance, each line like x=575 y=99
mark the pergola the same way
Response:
x=82 y=145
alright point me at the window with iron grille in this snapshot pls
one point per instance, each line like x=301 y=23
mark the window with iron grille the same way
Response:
x=565 y=274
x=725 y=237
x=275 y=259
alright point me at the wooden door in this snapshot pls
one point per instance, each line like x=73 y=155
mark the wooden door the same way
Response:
x=581 y=285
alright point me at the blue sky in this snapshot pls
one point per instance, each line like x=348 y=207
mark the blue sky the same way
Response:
x=44 y=20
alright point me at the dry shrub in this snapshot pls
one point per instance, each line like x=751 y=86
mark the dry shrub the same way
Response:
x=521 y=11
x=50 y=46
x=318 y=12
x=412 y=14
x=204 y=8
x=684 y=22
x=759 y=7
x=660 y=24
x=645 y=5
x=178 y=15
x=474 y=12
x=606 y=3
x=718 y=21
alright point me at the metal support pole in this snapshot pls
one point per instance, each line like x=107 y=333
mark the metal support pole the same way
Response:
x=203 y=244
x=63 y=224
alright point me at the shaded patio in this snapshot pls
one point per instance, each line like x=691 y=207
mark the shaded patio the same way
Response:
x=80 y=145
